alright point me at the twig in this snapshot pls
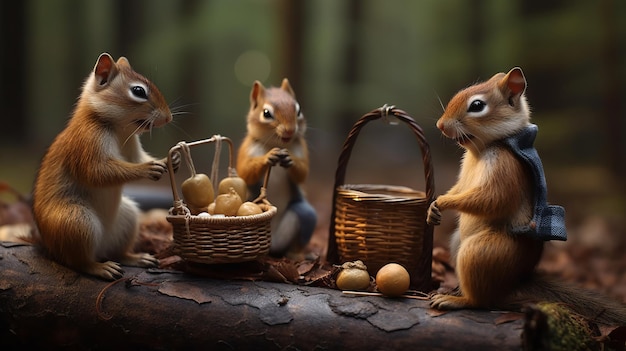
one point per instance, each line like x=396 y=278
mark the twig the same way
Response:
x=129 y=282
x=365 y=293
x=101 y=315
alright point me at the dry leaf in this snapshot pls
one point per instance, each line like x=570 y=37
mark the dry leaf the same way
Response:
x=185 y=291
x=288 y=270
x=156 y=234
x=508 y=317
x=305 y=267
x=613 y=332
x=16 y=212
x=435 y=313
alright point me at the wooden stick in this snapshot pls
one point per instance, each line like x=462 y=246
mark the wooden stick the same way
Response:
x=366 y=293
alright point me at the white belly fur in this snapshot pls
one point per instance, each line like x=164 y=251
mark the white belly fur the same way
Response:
x=279 y=189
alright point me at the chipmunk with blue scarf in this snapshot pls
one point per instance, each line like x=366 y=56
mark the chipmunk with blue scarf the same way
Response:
x=500 y=195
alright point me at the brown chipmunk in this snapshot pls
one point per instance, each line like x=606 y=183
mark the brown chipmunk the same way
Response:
x=500 y=195
x=82 y=217
x=276 y=128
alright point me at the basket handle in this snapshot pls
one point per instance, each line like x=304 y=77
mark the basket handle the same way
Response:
x=383 y=112
x=263 y=192
x=183 y=147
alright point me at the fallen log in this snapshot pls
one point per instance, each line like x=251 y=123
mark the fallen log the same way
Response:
x=45 y=305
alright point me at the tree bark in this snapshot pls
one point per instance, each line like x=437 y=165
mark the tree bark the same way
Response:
x=45 y=305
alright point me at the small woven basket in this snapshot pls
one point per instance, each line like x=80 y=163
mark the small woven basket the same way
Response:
x=380 y=224
x=213 y=240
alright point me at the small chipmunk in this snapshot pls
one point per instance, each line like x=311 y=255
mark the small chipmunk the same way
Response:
x=500 y=195
x=276 y=128
x=81 y=215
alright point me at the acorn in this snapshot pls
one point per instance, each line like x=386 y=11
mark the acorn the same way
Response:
x=249 y=208
x=353 y=276
x=392 y=280
x=228 y=204
x=198 y=191
x=236 y=183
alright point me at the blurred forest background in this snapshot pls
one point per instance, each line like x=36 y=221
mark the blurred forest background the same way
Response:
x=343 y=58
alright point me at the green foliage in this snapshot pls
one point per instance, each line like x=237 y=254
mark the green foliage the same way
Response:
x=348 y=58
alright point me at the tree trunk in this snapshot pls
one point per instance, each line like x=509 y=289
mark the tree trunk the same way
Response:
x=45 y=305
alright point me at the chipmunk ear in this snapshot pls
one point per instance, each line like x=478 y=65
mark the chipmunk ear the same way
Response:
x=123 y=61
x=258 y=91
x=105 y=69
x=515 y=81
x=287 y=87
x=513 y=85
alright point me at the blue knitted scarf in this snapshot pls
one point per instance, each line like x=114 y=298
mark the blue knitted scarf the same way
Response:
x=548 y=221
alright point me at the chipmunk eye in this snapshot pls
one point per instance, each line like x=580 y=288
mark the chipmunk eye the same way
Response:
x=298 y=110
x=139 y=92
x=477 y=106
x=267 y=114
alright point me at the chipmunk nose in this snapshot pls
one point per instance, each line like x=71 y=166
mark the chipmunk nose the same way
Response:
x=288 y=133
x=164 y=118
x=440 y=125
x=445 y=129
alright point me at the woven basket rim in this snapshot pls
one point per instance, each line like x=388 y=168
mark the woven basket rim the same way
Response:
x=234 y=220
x=380 y=192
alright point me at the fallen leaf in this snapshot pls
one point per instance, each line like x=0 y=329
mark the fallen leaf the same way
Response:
x=616 y=339
x=288 y=270
x=16 y=212
x=321 y=276
x=274 y=275
x=508 y=317
x=613 y=332
x=155 y=232
x=169 y=261
x=185 y=291
x=435 y=313
x=305 y=267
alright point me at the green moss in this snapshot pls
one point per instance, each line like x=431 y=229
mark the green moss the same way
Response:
x=552 y=326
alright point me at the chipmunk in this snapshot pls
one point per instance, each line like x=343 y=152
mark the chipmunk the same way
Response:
x=500 y=195
x=275 y=136
x=81 y=215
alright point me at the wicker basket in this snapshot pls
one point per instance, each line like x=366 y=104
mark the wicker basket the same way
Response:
x=379 y=224
x=212 y=239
